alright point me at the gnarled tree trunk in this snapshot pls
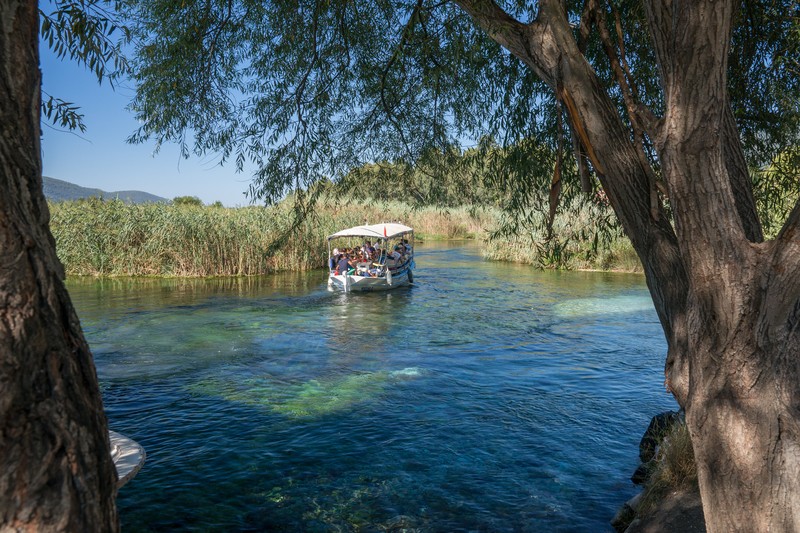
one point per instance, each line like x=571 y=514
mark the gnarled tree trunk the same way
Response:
x=729 y=304
x=56 y=472
x=743 y=307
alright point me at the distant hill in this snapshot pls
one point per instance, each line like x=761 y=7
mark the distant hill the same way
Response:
x=58 y=190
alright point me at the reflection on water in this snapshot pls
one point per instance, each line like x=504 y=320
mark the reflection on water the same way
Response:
x=488 y=397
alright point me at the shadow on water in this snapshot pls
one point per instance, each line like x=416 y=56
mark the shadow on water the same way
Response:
x=488 y=397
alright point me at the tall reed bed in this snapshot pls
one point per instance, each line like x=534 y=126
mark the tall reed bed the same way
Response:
x=582 y=239
x=111 y=238
x=429 y=223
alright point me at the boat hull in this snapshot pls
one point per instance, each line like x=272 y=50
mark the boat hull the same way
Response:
x=350 y=283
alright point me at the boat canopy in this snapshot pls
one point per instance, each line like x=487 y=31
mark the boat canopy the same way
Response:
x=386 y=230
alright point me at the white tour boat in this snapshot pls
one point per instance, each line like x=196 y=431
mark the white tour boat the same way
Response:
x=389 y=267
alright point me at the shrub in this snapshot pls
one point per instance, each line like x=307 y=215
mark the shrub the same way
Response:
x=674 y=467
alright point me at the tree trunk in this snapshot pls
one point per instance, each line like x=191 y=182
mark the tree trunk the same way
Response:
x=729 y=304
x=56 y=472
x=743 y=405
x=744 y=373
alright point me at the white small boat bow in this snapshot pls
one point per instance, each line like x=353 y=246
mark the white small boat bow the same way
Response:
x=381 y=272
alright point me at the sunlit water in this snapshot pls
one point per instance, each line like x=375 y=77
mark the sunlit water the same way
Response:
x=488 y=397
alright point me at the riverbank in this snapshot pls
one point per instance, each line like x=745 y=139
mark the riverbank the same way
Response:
x=670 y=498
x=110 y=238
x=679 y=511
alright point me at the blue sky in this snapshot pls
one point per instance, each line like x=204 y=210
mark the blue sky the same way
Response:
x=101 y=158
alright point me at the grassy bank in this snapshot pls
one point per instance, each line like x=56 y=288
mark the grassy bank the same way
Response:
x=111 y=238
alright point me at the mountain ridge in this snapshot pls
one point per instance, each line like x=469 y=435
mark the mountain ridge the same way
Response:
x=57 y=190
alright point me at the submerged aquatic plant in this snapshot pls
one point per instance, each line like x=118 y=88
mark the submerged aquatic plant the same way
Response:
x=310 y=399
x=616 y=305
x=316 y=398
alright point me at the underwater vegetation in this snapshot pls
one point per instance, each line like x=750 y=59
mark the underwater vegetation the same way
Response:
x=310 y=399
x=616 y=305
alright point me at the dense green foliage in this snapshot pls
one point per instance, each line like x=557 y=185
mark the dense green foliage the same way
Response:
x=307 y=91
x=87 y=32
x=378 y=98
x=777 y=189
x=373 y=101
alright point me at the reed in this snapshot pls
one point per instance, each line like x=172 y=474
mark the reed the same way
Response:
x=579 y=241
x=97 y=237
x=110 y=238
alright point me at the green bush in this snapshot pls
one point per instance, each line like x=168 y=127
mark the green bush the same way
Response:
x=187 y=200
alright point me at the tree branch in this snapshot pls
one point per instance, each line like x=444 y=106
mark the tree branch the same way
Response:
x=784 y=288
x=692 y=147
x=641 y=117
x=413 y=18
x=580 y=159
x=526 y=41
x=791 y=228
x=649 y=122
x=585 y=28
x=739 y=177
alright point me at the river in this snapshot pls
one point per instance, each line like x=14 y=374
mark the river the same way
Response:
x=488 y=397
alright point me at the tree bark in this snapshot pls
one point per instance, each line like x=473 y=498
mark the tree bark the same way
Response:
x=744 y=377
x=56 y=472
x=729 y=303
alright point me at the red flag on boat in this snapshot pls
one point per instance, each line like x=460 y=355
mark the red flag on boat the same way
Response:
x=384 y=231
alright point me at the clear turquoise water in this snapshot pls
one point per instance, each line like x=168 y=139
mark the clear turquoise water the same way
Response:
x=489 y=397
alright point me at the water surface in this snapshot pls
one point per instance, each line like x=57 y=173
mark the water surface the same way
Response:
x=488 y=397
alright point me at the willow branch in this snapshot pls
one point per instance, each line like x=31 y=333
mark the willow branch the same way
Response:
x=525 y=41
x=580 y=159
x=640 y=116
x=587 y=17
x=404 y=35
x=739 y=177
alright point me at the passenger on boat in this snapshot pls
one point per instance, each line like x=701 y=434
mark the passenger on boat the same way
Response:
x=362 y=267
x=394 y=257
x=343 y=264
x=334 y=259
